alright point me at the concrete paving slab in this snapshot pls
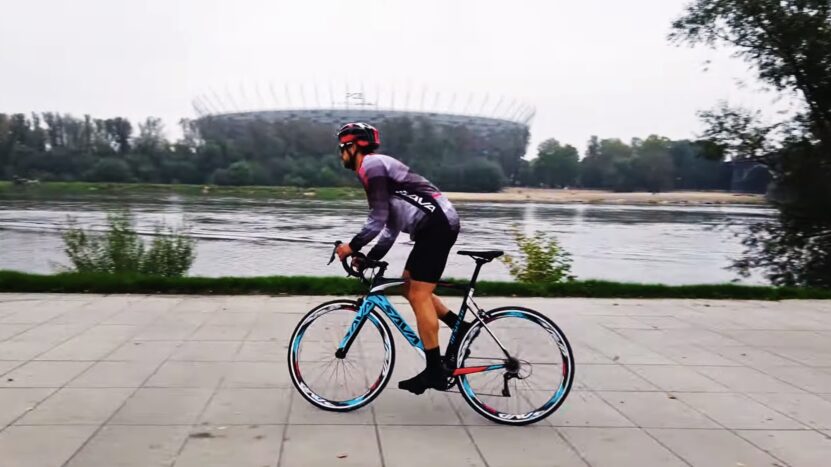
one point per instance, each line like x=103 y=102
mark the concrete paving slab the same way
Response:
x=677 y=378
x=753 y=357
x=79 y=349
x=43 y=374
x=207 y=351
x=166 y=332
x=257 y=375
x=810 y=409
x=262 y=352
x=51 y=333
x=694 y=355
x=77 y=406
x=8 y=365
x=619 y=447
x=304 y=413
x=163 y=406
x=42 y=446
x=397 y=407
x=248 y=407
x=656 y=410
x=23 y=350
x=237 y=446
x=584 y=409
x=404 y=446
x=147 y=351
x=814 y=380
x=15 y=402
x=113 y=332
x=326 y=446
x=808 y=357
x=796 y=448
x=611 y=378
x=173 y=374
x=214 y=332
x=10 y=330
x=104 y=374
x=530 y=447
x=738 y=411
x=707 y=448
x=131 y=446
x=744 y=379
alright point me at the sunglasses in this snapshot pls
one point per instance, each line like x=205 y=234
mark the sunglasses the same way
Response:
x=343 y=146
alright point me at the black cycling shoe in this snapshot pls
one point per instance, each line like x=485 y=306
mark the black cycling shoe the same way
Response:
x=425 y=380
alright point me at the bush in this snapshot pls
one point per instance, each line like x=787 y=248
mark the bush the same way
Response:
x=120 y=250
x=541 y=259
x=110 y=170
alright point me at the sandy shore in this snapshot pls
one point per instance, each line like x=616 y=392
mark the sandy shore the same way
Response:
x=540 y=195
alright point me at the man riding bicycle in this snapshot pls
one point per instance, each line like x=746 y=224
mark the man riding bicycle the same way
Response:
x=402 y=201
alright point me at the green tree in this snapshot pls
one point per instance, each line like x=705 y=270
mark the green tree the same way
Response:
x=606 y=164
x=651 y=167
x=109 y=169
x=788 y=43
x=556 y=165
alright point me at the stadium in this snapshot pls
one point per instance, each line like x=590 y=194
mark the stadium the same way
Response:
x=483 y=115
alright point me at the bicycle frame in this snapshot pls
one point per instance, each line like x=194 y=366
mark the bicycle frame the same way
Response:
x=376 y=299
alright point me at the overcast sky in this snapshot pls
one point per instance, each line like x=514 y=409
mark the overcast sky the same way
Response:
x=589 y=67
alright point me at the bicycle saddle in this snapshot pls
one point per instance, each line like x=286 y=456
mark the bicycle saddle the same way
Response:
x=486 y=255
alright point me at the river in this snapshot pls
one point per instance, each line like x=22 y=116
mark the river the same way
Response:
x=247 y=237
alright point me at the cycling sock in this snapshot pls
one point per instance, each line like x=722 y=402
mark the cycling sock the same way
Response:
x=451 y=318
x=433 y=377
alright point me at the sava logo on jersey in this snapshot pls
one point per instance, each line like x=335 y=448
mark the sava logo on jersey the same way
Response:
x=417 y=200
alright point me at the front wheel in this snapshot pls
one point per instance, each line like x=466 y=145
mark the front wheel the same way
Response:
x=340 y=384
x=528 y=384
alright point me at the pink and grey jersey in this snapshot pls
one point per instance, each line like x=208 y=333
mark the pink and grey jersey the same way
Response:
x=399 y=201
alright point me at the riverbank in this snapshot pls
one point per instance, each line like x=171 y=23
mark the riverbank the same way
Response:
x=508 y=195
x=12 y=281
x=542 y=195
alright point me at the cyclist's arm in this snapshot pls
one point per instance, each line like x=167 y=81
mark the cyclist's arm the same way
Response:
x=379 y=211
x=385 y=242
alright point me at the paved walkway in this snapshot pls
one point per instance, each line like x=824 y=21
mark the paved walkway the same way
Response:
x=142 y=381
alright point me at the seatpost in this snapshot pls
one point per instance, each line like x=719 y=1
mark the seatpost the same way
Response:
x=475 y=275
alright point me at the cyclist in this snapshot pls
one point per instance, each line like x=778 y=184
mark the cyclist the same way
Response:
x=402 y=201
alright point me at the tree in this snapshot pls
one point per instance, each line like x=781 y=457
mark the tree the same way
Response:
x=556 y=165
x=606 y=164
x=651 y=167
x=788 y=42
x=109 y=169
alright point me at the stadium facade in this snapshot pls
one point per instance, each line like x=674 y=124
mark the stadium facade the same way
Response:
x=329 y=105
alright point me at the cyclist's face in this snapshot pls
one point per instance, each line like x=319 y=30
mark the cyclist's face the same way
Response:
x=349 y=155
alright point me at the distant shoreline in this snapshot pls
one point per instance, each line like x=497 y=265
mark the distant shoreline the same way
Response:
x=569 y=196
x=52 y=190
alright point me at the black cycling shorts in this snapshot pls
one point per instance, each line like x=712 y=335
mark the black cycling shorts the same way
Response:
x=432 y=247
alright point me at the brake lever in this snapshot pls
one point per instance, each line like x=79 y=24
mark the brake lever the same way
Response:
x=334 y=252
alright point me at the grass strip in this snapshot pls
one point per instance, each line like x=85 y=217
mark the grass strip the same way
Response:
x=12 y=281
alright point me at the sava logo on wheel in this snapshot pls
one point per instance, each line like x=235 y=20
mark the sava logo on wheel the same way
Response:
x=417 y=200
x=524 y=416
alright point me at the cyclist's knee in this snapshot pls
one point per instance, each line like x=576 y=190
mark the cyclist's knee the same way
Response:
x=417 y=296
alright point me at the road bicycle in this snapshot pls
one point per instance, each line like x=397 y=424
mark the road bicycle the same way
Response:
x=513 y=365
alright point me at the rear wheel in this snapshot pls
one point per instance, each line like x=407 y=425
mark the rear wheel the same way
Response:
x=530 y=385
x=340 y=384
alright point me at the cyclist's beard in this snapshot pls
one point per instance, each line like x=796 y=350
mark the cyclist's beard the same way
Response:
x=349 y=163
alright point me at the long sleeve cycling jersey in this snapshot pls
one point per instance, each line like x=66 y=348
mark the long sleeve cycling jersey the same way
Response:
x=399 y=201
